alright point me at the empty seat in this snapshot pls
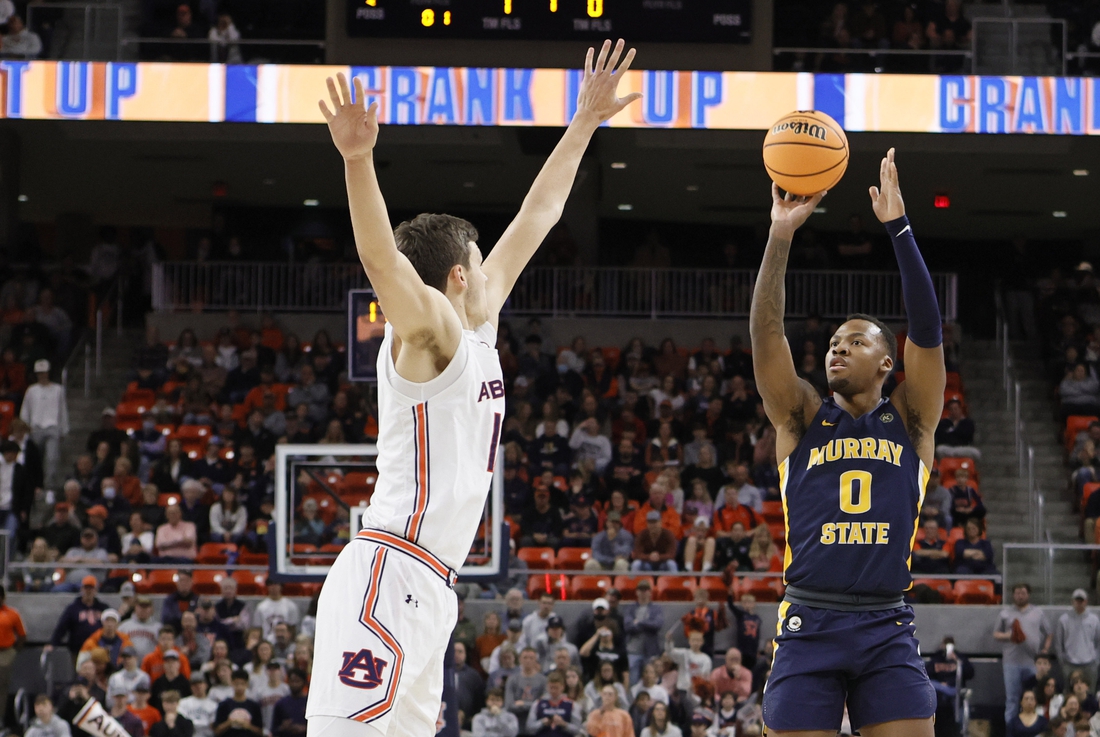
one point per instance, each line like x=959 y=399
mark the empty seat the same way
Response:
x=773 y=513
x=764 y=589
x=159 y=581
x=945 y=588
x=301 y=588
x=215 y=554
x=537 y=558
x=975 y=591
x=572 y=559
x=954 y=382
x=207 y=582
x=589 y=587
x=714 y=586
x=674 y=588
x=539 y=583
x=251 y=583
x=627 y=585
x=248 y=558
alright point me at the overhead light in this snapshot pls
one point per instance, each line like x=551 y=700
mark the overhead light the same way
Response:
x=1059 y=213
x=819 y=210
x=311 y=203
x=23 y=198
x=626 y=207
x=1080 y=172
x=468 y=185
x=693 y=188
x=618 y=164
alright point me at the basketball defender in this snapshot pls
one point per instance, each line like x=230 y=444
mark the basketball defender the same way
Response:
x=386 y=611
x=852 y=470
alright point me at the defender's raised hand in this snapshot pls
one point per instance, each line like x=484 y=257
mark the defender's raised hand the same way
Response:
x=887 y=201
x=353 y=126
x=789 y=211
x=599 y=94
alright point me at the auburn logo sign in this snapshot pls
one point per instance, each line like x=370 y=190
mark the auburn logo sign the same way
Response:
x=362 y=670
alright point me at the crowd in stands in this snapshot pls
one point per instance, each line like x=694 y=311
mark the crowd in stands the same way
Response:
x=202 y=665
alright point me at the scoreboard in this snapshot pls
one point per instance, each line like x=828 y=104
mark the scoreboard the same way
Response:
x=591 y=21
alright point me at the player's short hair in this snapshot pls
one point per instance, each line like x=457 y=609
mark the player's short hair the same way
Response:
x=435 y=244
x=887 y=334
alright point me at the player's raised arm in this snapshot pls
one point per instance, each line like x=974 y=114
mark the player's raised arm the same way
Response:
x=920 y=397
x=597 y=101
x=419 y=313
x=789 y=401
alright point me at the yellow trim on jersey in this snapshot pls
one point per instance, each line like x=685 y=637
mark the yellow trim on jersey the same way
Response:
x=784 y=468
x=783 y=607
x=923 y=473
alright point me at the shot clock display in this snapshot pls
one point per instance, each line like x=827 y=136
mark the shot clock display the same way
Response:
x=681 y=21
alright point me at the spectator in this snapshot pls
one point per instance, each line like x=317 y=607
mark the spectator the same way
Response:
x=143 y=710
x=267 y=691
x=492 y=721
x=16 y=492
x=289 y=716
x=232 y=613
x=12 y=637
x=580 y=524
x=143 y=627
x=504 y=658
x=955 y=433
x=109 y=638
x=46 y=411
x=696 y=550
x=949 y=671
x=193 y=510
x=469 y=689
x=118 y=706
x=973 y=553
x=1077 y=640
x=1026 y=632
x=664 y=449
x=612 y=547
x=88 y=553
x=588 y=444
x=668 y=517
x=732 y=676
x=868 y=27
x=21 y=42
x=541 y=523
x=524 y=688
x=643 y=622
x=153 y=663
x=705 y=469
x=932 y=553
x=176 y=540
x=313 y=394
x=192 y=643
x=222 y=36
x=551 y=641
x=130 y=675
x=649 y=684
x=534 y=624
x=609 y=719
x=174 y=724
x=698 y=442
x=554 y=715
x=228 y=519
x=106 y=537
x=1043 y=672
x=691 y=662
x=38 y=579
x=658 y=723
x=46 y=723
x=654 y=546
x=1079 y=392
x=1026 y=722
x=938 y=501
x=274 y=608
x=747 y=494
x=139 y=533
x=61 y=534
x=967 y=502
x=172 y=679
x=238 y=716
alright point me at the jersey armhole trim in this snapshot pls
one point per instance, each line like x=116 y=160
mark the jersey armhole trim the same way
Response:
x=414 y=392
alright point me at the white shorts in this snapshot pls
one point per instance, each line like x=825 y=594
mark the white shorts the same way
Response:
x=384 y=620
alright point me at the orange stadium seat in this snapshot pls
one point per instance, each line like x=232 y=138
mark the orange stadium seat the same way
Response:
x=7 y=414
x=954 y=381
x=627 y=585
x=158 y=582
x=248 y=558
x=1074 y=425
x=301 y=588
x=556 y=584
x=251 y=583
x=714 y=586
x=975 y=591
x=133 y=574
x=589 y=587
x=131 y=410
x=537 y=558
x=168 y=498
x=674 y=588
x=208 y=582
x=215 y=554
x=764 y=589
x=773 y=513
x=572 y=559
x=778 y=533
x=611 y=357
x=944 y=587
x=948 y=467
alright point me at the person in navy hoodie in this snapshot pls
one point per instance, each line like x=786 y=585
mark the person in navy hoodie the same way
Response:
x=554 y=715
x=80 y=619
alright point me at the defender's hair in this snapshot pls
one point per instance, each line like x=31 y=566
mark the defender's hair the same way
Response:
x=434 y=244
x=887 y=333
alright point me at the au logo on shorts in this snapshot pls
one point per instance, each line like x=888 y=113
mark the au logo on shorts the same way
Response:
x=362 y=670
x=794 y=624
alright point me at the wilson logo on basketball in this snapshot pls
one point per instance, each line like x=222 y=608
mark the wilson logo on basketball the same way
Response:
x=362 y=670
x=802 y=127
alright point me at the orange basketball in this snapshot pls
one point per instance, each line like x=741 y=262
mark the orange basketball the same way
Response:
x=806 y=152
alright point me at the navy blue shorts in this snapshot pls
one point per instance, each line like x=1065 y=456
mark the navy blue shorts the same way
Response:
x=824 y=657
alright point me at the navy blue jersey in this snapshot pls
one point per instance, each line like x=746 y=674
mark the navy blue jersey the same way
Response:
x=852 y=491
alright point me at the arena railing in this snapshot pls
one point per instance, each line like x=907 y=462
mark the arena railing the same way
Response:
x=559 y=291
x=1036 y=563
x=91 y=338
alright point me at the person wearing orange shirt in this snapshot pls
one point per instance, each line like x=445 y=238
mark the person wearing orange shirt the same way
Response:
x=153 y=663
x=734 y=511
x=12 y=637
x=610 y=720
x=109 y=638
x=128 y=485
x=670 y=518
x=142 y=709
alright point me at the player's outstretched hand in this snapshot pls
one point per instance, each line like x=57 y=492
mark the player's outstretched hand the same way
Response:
x=353 y=126
x=886 y=198
x=599 y=93
x=790 y=211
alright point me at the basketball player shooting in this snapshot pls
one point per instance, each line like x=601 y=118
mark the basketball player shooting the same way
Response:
x=852 y=470
x=387 y=609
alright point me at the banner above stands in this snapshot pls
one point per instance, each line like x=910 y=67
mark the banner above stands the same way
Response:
x=274 y=93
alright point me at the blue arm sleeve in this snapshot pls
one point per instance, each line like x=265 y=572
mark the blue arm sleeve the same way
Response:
x=921 y=305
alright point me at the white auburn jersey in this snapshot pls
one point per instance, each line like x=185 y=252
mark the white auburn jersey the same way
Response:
x=437 y=447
